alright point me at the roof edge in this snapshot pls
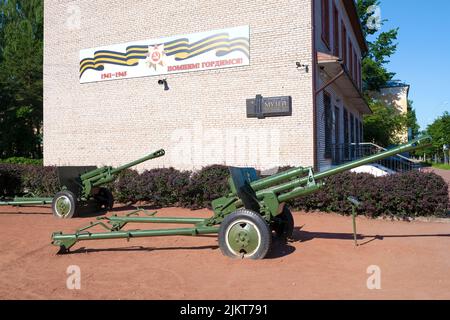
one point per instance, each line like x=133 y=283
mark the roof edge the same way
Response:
x=352 y=12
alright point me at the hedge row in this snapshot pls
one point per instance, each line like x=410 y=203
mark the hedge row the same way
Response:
x=17 y=179
x=411 y=194
x=171 y=187
x=402 y=195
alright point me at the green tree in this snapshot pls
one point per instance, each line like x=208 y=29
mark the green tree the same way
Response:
x=411 y=120
x=374 y=72
x=439 y=130
x=21 y=59
x=384 y=125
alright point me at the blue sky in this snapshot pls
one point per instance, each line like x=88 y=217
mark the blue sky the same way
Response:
x=423 y=56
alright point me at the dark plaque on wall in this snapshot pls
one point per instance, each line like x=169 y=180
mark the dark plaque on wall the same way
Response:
x=261 y=107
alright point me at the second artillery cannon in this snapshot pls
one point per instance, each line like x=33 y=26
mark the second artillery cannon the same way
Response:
x=86 y=186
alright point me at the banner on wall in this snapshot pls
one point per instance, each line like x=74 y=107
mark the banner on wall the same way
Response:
x=186 y=53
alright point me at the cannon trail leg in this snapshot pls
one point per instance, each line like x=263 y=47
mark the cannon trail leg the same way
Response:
x=66 y=241
x=116 y=223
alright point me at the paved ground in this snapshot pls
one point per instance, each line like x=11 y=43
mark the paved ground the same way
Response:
x=322 y=262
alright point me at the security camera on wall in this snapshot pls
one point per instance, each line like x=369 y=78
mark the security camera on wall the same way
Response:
x=302 y=66
x=164 y=82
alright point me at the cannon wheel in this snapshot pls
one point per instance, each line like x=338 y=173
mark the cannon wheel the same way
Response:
x=283 y=225
x=245 y=234
x=106 y=198
x=64 y=205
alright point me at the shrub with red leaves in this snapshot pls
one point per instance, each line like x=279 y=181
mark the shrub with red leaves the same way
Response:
x=402 y=195
x=21 y=179
x=410 y=194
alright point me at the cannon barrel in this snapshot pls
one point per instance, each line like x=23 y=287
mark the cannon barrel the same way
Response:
x=411 y=146
x=297 y=187
x=153 y=155
x=105 y=172
x=95 y=173
x=298 y=183
x=277 y=178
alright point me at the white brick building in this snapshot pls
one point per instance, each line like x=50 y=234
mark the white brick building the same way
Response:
x=294 y=50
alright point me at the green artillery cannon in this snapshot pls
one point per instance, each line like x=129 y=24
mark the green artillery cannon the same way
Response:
x=83 y=185
x=245 y=219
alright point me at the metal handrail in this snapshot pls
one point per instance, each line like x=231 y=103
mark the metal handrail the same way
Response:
x=384 y=149
x=342 y=153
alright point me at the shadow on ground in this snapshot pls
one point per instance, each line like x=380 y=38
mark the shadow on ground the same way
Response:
x=304 y=236
x=141 y=248
x=13 y=213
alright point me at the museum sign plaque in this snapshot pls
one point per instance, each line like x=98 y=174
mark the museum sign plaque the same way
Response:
x=261 y=107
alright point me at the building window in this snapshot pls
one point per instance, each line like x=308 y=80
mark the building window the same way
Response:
x=346 y=140
x=352 y=128
x=350 y=62
x=336 y=49
x=346 y=149
x=328 y=123
x=326 y=22
x=357 y=131
x=337 y=125
x=344 y=43
x=361 y=131
x=355 y=68
x=359 y=75
x=337 y=134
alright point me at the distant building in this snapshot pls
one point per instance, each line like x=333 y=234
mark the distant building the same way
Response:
x=395 y=94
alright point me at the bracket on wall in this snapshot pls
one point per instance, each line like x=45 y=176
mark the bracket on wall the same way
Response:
x=259 y=106
x=330 y=82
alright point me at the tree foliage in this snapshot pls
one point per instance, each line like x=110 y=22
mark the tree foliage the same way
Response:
x=411 y=121
x=384 y=125
x=374 y=71
x=21 y=59
x=439 y=130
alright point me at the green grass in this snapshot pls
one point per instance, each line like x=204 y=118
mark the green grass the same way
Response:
x=441 y=166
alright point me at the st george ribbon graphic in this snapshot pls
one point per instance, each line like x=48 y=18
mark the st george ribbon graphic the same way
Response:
x=214 y=49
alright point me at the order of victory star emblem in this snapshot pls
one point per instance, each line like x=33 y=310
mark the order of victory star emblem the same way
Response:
x=155 y=56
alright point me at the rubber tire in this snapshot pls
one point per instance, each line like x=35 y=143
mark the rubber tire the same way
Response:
x=284 y=231
x=73 y=204
x=258 y=222
x=107 y=194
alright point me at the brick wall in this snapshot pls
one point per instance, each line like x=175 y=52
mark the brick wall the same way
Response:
x=202 y=118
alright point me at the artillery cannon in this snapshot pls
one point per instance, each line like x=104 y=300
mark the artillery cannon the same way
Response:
x=245 y=219
x=81 y=186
